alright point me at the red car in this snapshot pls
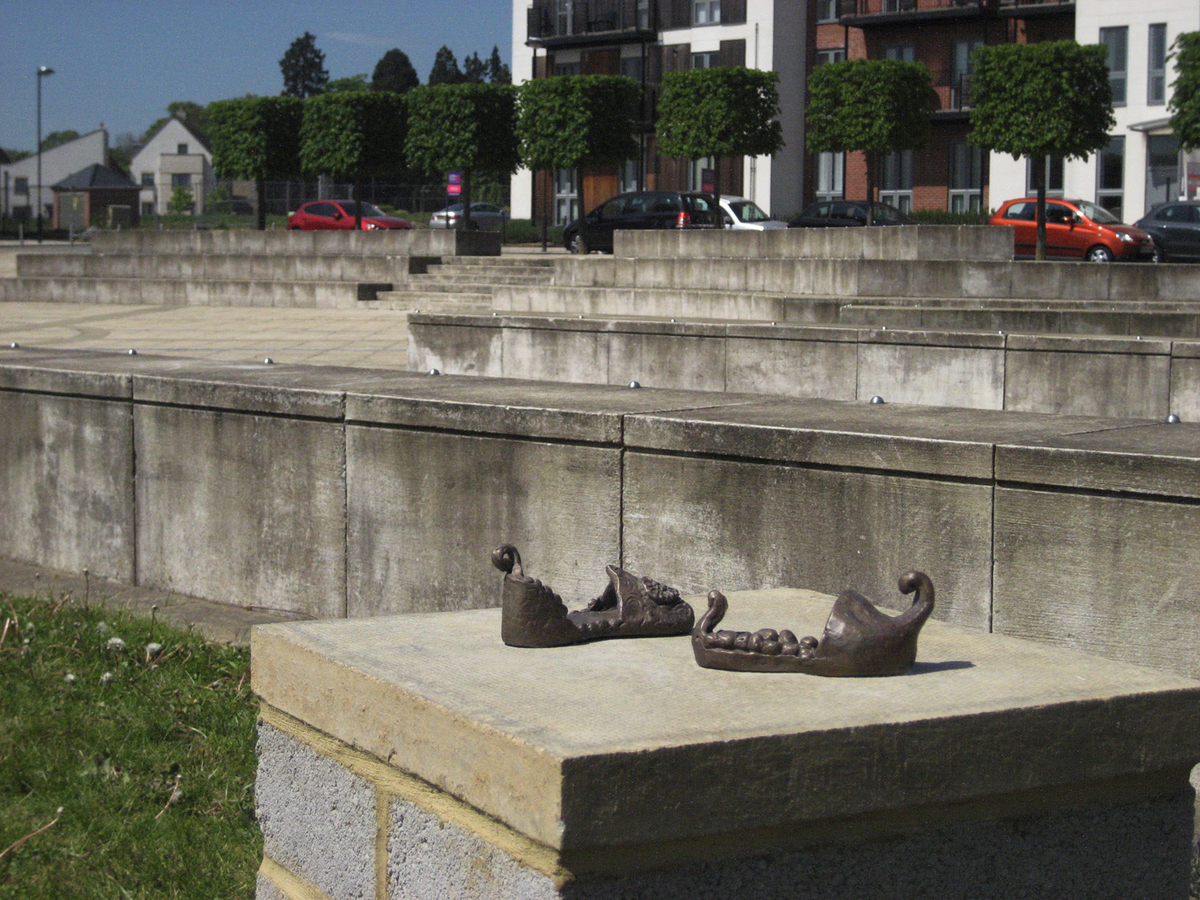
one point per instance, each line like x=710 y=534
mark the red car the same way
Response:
x=1075 y=229
x=338 y=215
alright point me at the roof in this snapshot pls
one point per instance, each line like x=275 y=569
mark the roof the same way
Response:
x=186 y=127
x=96 y=177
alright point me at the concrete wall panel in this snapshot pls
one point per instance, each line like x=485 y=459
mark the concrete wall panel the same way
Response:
x=455 y=350
x=930 y=375
x=66 y=483
x=1088 y=384
x=1101 y=574
x=560 y=355
x=242 y=509
x=795 y=368
x=426 y=509
x=700 y=524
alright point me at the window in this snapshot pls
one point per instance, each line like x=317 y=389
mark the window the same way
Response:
x=901 y=53
x=896 y=180
x=966 y=177
x=148 y=208
x=1110 y=176
x=627 y=178
x=1054 y=177
x=181 y=179
x=20 y=185
x=706 y=60
x=1156 y=66
x=960 y=73
x=1116 y=42
x=831 y=176
x=643 y=14
x=631 y=67
x=696 y=173
x=181 y=149
x=706 y=12
x=1162 y=169
x=564 y=18
x=147 y=179
x=825 y=57
x=566 y=197
x=567 y=68
x=827 y=10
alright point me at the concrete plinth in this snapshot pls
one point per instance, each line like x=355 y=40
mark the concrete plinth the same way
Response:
x=418 y=757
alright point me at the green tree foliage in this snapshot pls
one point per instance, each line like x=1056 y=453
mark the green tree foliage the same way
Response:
x=445 y=68
x=181 y=203
x=394 y=72
x=15 y=155
x=353 y=135
x=350 y=83
x=498 y=72
x=257 y=138
x=303 y=67
x=463 y=127
x=725 y=111
x=1039 y=100
x=57 y=138
x=1184 y=105
x=577 y=121
x=474 y=70
x=874 y=106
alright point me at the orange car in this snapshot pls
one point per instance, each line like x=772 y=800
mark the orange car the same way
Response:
x=1075 y=229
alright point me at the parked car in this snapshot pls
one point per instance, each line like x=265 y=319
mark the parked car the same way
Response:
x=484 y=217
x=1075 y=229
x=847 y=214
x=746 y=215
x=640 y=209
x=338 y=215
x=1175 y=228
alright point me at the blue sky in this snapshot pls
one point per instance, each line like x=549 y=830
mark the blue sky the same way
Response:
x=121 y=62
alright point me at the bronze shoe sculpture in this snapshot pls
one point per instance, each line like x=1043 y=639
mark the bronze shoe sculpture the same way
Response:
x=859 y=640
x=532 y=615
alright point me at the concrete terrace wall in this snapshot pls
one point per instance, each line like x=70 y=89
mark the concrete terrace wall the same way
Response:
x=1066 y=374
x=336 y=492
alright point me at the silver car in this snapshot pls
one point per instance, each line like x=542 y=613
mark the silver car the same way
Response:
x=746 y=215
x=484 y=217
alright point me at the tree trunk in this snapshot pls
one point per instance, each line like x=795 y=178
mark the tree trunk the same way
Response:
x=466 y=201
x=260 y=189
x=582 y=205
x=545 y=216
x=717 y=191
x=1039 y=179
x=357 y=205
x=871 y=162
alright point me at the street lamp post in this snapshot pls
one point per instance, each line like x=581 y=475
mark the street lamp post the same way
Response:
x=41 y=73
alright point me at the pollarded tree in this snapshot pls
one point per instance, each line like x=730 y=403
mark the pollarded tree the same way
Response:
x=872 y=106
x=463 y=127
x=1185 y=90
x=353 y=135
x=303 y=67
x=394 y=72
x=577 y=122
x=1039 y=100
x=257 y=138
x=724 y=111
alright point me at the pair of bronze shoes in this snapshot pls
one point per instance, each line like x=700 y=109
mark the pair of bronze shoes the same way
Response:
x=858 y=640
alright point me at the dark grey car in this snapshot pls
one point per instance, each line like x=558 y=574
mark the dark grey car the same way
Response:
x=640 y=209
x=1175 y=228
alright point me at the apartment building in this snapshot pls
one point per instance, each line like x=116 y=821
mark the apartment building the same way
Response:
x=645 y=39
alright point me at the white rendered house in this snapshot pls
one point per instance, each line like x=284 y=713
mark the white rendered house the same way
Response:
x=19 y=188
x=174 y=156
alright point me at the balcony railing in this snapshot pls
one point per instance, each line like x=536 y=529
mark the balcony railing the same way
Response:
x=960 y=93
x=561 y=20
x=859 y=8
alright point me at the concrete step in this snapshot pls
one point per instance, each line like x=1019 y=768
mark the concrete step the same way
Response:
x=432 y=301
x=187 y=292
x=1125 y=321
x=480 y=277
x=200 y=266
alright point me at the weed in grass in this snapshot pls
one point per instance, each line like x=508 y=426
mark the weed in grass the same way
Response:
x=126 y=759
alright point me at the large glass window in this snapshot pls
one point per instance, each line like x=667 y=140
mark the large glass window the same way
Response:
x=960 y=72
x=708 y=60
x=825 y=57
x=627 y=179
x=706 y=12
x=21 y=185
x=147 y=179
x=1116 y=43
x=643 y=14
x=1054 y=177
x=696 y=173
x=567 y=68
x=566 y=197
x=1162 y=169
x=831 y=176
x=564 y=17
x=181 y=179
x=1156 y=66
x=1110 y=176
x=901 y=52
x=966 y=177
x=896 y=180
x=827 y=10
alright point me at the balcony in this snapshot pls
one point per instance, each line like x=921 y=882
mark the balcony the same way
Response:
x=867 y=13
x=573 y=23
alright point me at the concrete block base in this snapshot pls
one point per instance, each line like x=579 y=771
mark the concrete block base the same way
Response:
x=417 y=757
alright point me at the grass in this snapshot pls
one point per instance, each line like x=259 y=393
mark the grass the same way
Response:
x=132 y=779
